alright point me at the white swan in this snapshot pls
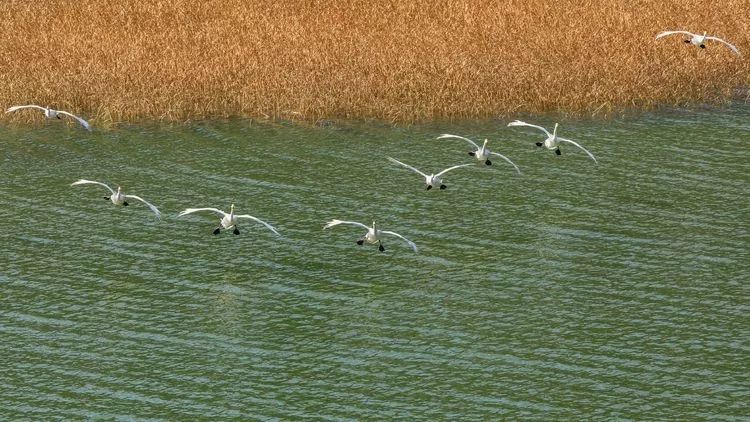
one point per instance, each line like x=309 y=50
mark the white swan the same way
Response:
x=553 y=141
x=373 y=234
x=432 y=179
x=698 y=40
x=118 y=198
x=481 y=153
x=228 y=220
x=51 y=114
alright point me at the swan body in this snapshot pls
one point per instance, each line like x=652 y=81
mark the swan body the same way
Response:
x=373 y=234
x=228 y=220
x=51 y=114
x=552 y=142
x=481 y=153
x=429 y=179
x=117 y=197
x=698 y=40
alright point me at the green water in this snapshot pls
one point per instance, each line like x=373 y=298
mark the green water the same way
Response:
x=617 y=290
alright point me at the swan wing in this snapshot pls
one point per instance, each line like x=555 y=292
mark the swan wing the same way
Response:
x=448 y=135
x=412 y=245
x=192 y=210
x=732 y=47
x=337 y=222
x=520 y=123
x=268 y=226
x=579 y=146
x=14 y=108
x=665 y=33
x=80 y=120
x=452 y=168
x=393 y=160
x=151 y=206
x=88 y=182
x=508 y=160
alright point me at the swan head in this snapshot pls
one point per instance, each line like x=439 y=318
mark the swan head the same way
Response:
x=231 y=209
x=119 y=190
x=484 y=145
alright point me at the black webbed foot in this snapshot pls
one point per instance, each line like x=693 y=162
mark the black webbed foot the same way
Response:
x=217 y=230
x=687 y=41
x=472 y=153
x=488 y=162
x=125 y=204
x=58 y=117
x=557 y=151
x=236 y=231
x=381 y=248
x=703 y=46
x=361 y=242
x=106 y=198
x=539 y=144
x=442 y=187
x=429 y=187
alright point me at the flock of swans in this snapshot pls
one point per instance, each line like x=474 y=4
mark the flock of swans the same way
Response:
x=373 y=235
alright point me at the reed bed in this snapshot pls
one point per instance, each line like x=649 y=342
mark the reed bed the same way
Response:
x=394 y=60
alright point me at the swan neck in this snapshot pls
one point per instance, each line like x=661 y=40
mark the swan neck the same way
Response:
x=554 y=131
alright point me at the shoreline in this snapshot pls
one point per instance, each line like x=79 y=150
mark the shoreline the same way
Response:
x=36 y=119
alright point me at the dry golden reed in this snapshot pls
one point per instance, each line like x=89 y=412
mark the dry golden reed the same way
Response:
x=394 y=60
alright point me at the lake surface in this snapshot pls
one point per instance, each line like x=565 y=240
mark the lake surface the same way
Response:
x=617 y=290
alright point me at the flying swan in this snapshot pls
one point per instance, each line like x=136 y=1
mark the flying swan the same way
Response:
x=432 y=179
x=118 y=198
x=481 y=153
x=553 y=141
x=51 y=114
x=228 y=220
x=698 y=40
x=373 y=234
